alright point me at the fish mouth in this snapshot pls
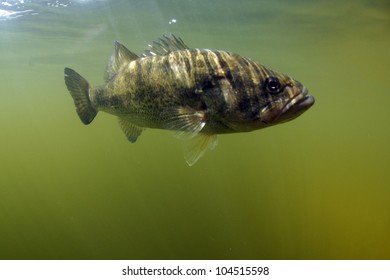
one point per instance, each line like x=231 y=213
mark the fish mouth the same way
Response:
x=297 y=104
x=284 y=110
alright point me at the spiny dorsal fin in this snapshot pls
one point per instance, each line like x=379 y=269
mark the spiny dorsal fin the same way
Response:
x=164 y=45
x=121 y=56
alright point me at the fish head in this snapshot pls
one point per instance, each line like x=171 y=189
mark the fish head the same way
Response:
x=283 y=99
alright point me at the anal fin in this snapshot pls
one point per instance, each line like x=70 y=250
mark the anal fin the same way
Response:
x=131 y=130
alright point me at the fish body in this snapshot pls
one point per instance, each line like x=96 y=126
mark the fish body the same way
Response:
x=198 y=93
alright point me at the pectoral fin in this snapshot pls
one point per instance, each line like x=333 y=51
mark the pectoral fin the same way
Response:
x=131 y=130
x=188 y=124
x=195 y=148
x=185 y=121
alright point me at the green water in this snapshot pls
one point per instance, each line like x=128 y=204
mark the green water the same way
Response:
x=315 y=188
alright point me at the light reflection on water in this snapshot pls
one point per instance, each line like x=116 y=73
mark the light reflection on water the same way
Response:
x=14 y=9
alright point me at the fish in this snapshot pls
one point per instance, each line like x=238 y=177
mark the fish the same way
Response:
x=197 y=93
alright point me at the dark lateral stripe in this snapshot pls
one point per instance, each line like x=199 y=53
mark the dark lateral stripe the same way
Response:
x=180 y=66
x=187 y=63
x=233 y=72
x=192 y=57
x=138 y=70
x=263 y=72
x=253 y=71
x=254 y=68
x=225 y=68
x=165 y=63
x=247 y=72
x=208 y=64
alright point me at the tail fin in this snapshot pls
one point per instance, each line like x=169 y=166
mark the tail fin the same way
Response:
x=79 y=89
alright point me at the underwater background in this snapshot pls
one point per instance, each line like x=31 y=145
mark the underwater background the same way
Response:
x=314 y=188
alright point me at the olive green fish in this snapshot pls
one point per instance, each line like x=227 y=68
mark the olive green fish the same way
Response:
x=198 y=93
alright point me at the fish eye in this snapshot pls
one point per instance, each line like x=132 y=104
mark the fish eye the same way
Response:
x=272 y=85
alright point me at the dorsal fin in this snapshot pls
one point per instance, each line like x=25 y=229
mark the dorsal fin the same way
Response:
x=121 y=56
x=164 y=45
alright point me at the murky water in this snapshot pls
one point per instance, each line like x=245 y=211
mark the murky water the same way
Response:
x=317 y=187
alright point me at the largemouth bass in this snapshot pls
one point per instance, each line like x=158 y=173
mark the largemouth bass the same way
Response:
x=198 y=93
